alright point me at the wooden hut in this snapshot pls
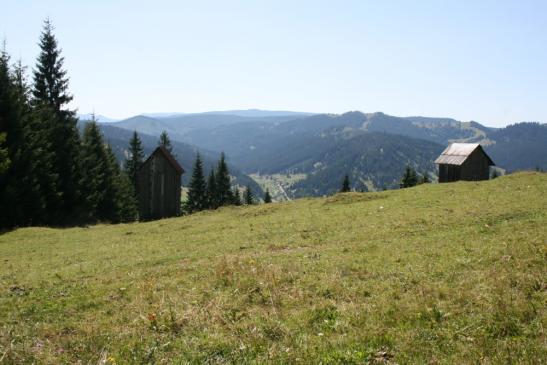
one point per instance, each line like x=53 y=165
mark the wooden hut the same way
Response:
x=159 y=185
x=464 y=161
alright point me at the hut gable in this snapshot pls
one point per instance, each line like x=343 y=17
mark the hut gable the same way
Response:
x=159 y=185
x=464 y=161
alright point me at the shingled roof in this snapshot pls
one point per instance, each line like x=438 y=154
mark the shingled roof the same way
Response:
x=172 y=161
x=457 y=153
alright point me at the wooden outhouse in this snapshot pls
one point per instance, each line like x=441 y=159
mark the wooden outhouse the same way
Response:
x=159 y=186
x=464 y=161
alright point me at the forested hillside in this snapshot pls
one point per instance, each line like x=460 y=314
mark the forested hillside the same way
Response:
x=185 y=154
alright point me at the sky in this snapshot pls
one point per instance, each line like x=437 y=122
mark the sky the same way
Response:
x=470 y=60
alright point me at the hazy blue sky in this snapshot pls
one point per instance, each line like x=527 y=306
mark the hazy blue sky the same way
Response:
x=471 y=60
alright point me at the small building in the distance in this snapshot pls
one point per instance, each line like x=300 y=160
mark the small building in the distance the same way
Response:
x=464 y=161
x=159 y=185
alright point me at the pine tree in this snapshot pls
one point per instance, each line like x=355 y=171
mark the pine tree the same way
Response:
x=424 y=178
x=237 y=196
x=57 y=124
x=135 y=160
x=27 y=184
x=4 y=156
x=223 y=187
x=124 y=207
x=197 y=189
x=267 y=197
x=409 y=178
x=248 y=196
x=212 y=195
x=345 y=184
x=94 y=170
x=165 y=141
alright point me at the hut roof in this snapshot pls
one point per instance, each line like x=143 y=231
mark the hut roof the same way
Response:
x=457 y=153
x=168 y=156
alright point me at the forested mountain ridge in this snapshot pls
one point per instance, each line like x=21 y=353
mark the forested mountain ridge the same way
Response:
x=284 y=144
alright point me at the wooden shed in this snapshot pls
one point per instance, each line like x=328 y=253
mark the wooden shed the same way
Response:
x=159 y=185
x=464 y=161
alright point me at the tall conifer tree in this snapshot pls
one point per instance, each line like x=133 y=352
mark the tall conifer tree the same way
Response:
x=95 y=179
x=135 y=160
x=50 y=98
x=345 y=184
x=248 y=196
x=212 y=192
x=223 y=187
x=165 y=141
x=197 y=193
x=267 y=197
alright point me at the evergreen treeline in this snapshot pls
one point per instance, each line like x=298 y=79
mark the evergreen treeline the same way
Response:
x=49 y=175
x=214 y=192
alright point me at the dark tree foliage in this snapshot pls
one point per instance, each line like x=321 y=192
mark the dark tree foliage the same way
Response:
x=165 y=141
x=197 y=190
x=108 y=192
x=424 y=179
x=267 y=197
x=94 y=170
x=123 y=194
x=135 y=160
x=248 y=196
x=4 y=157
x=345 y=184
x=58 y=124
x=222 y=180
x=29 y=182
x=237 y=196
x=409 y=179
x=212 y=192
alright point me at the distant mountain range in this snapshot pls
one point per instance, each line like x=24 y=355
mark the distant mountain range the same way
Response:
x=373 y=148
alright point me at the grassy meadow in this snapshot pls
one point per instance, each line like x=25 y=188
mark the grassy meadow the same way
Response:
x=436 y=274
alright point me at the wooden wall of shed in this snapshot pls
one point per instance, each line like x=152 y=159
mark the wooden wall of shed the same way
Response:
x=475 y=167
x=159 y=189
x=449 y=173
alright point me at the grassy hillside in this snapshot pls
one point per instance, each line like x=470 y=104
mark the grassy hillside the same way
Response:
x=438 y=274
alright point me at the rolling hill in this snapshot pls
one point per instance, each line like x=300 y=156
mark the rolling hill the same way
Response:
x=436 y=274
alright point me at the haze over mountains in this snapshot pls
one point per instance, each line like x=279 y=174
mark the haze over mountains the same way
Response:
x=373 y=148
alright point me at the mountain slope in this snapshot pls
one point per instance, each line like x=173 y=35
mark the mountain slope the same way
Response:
x=373 y=161
x=426 y=275
x=519 y=146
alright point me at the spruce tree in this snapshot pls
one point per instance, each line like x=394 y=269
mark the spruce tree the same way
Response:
x=197 y=189
x=409 y=179
x=345 y=184
x=212 y=195
x=28 y=182
x=4 y=157
x=50 y=98
x=248 y=196
x=124 y=204
x=135 y=160
x=267 y=197
x=222 y=180
x=237 y=196
x=425 y=178
x=96 y=182
x=165 y=141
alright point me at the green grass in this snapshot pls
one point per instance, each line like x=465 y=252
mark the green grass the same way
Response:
x=437 y=274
